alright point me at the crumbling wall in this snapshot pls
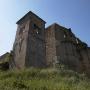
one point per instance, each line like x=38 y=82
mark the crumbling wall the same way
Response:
x=66 y=48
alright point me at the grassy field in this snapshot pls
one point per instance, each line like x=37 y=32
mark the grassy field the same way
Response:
x=43 y=79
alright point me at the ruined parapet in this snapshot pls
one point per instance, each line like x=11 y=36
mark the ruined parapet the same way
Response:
x=69 y=36
x=81 y=45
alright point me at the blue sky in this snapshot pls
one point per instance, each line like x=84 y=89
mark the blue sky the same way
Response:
x=73 y=14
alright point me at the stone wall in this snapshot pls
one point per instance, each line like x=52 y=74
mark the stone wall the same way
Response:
x=63 y=47
x=20 y=44
x=36 y=46
x=29 y=45
x=35 y=55
x=51 y=57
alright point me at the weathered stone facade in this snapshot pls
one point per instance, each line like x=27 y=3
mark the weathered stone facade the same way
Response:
x=63 y=47
x=36 y=46
x=29 y=45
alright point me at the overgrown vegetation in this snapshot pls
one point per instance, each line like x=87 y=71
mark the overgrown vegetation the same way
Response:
x=43 y=79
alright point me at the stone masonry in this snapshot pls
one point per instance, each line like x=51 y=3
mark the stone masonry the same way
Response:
x=37 y=46
x=29 y=45
x=63 y=47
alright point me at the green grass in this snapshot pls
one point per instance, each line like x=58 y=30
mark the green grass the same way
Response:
x=43 y=79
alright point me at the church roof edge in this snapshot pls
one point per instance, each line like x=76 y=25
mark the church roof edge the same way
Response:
x=30 y=12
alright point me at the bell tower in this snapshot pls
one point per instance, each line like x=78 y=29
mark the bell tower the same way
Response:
x=29 y=45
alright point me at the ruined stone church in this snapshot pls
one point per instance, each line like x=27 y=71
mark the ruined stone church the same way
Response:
x=37 y=46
